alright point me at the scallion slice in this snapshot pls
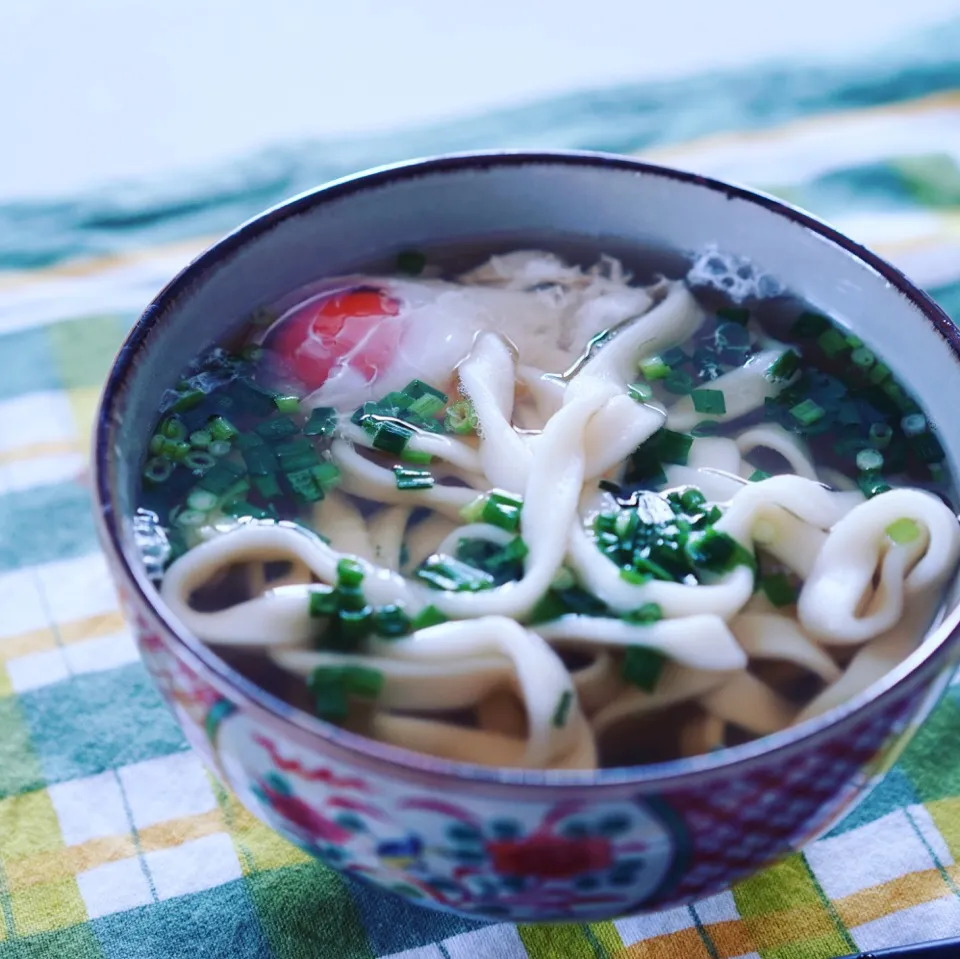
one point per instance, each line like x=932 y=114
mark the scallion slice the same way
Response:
x=645 y=615
x=779 y=589
x=321 y=422
x=641 y=392
x=202 y=500
x=642 y=667
x=451 y=575
x=562 y=710
x=461 y=418
x=903 y=531
x=220 y=428
x=784 y=367
x=869 y=460
x=427 y=617
x=411 y=479
x=807 y=413
x=157 y=469
x=277 y=429
x=709 y=402
x=288 y=404
x=502 y=509
x=654 y=368
x=392 y=436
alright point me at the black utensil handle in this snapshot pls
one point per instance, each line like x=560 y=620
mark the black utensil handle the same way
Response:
x=941 y=949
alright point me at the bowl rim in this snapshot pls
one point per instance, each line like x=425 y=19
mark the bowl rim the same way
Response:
x=406 y=762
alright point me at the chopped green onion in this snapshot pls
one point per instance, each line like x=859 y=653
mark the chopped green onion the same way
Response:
x=642 y=667
x=654 y=368
x=502 y=509
x=304 y=485
x=237 y=490
x=321 y=422
x=201 y=439
x=427 y=405
x=880 y=435
x=191 y=518
x=327 y=475
x=678 y=381
x=869 y=460
x=427 y=617
x=267 y=486
x=421 y=457
x=349 y=572
x=645 y=615
x=903 y=531
x=241 y=508
x=692 y=500
x=807 y=413
x=260 y=460
x=296 y=455
x=832 y=342
x=218 y=479
x=633 y=577
x=246 y=441
x=758 y=476
x=417 y=388
x=331 y=686
x=706 y=428
x=411 y=262
x=562 y=711
x=287 y=404
x=176 y=449
x=872 y=484
x=716 y=552
x=323 y=601
x=199 y=461
x=173 y=429
x=157 y=442
x=461 y=418
x=779 y=589
x=410 y=479
x=391 y=621
x=277 y=429
x=784 y=367
x=927 y=447
x=202 y=500
x=673 y=447
x=189 y=398
x=879 y=373
x=391 y=436
x=914 y=424
x=710 y=402
x=863 y=358
x=221 y=428
x=451 y=575
x=157 y=470
x=641 y=392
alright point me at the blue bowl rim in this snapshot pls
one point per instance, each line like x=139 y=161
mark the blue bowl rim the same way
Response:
x=402 y=761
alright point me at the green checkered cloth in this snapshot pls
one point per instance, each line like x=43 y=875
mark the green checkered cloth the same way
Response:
x=115 y=843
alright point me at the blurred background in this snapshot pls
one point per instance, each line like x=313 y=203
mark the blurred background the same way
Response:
x=102 y=90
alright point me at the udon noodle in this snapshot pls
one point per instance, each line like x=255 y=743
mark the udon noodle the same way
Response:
x=522 y=535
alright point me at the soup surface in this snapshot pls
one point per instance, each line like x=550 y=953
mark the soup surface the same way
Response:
x=542 y=513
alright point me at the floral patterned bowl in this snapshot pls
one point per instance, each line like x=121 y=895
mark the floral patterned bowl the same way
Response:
x=513 y=844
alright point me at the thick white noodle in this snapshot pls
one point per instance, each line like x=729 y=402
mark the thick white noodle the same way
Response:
x=772 y=436
x=554 y=418
x=487 y=377
x=366 y=479
x=839 y=603
x=343 y=524
x=744 y=390
x=280 y=616
x=704 y=642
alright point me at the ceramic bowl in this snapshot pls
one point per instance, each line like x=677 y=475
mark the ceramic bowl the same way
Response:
x=510 y=844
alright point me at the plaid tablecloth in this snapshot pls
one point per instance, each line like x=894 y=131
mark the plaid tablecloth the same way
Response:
x=113 y=840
